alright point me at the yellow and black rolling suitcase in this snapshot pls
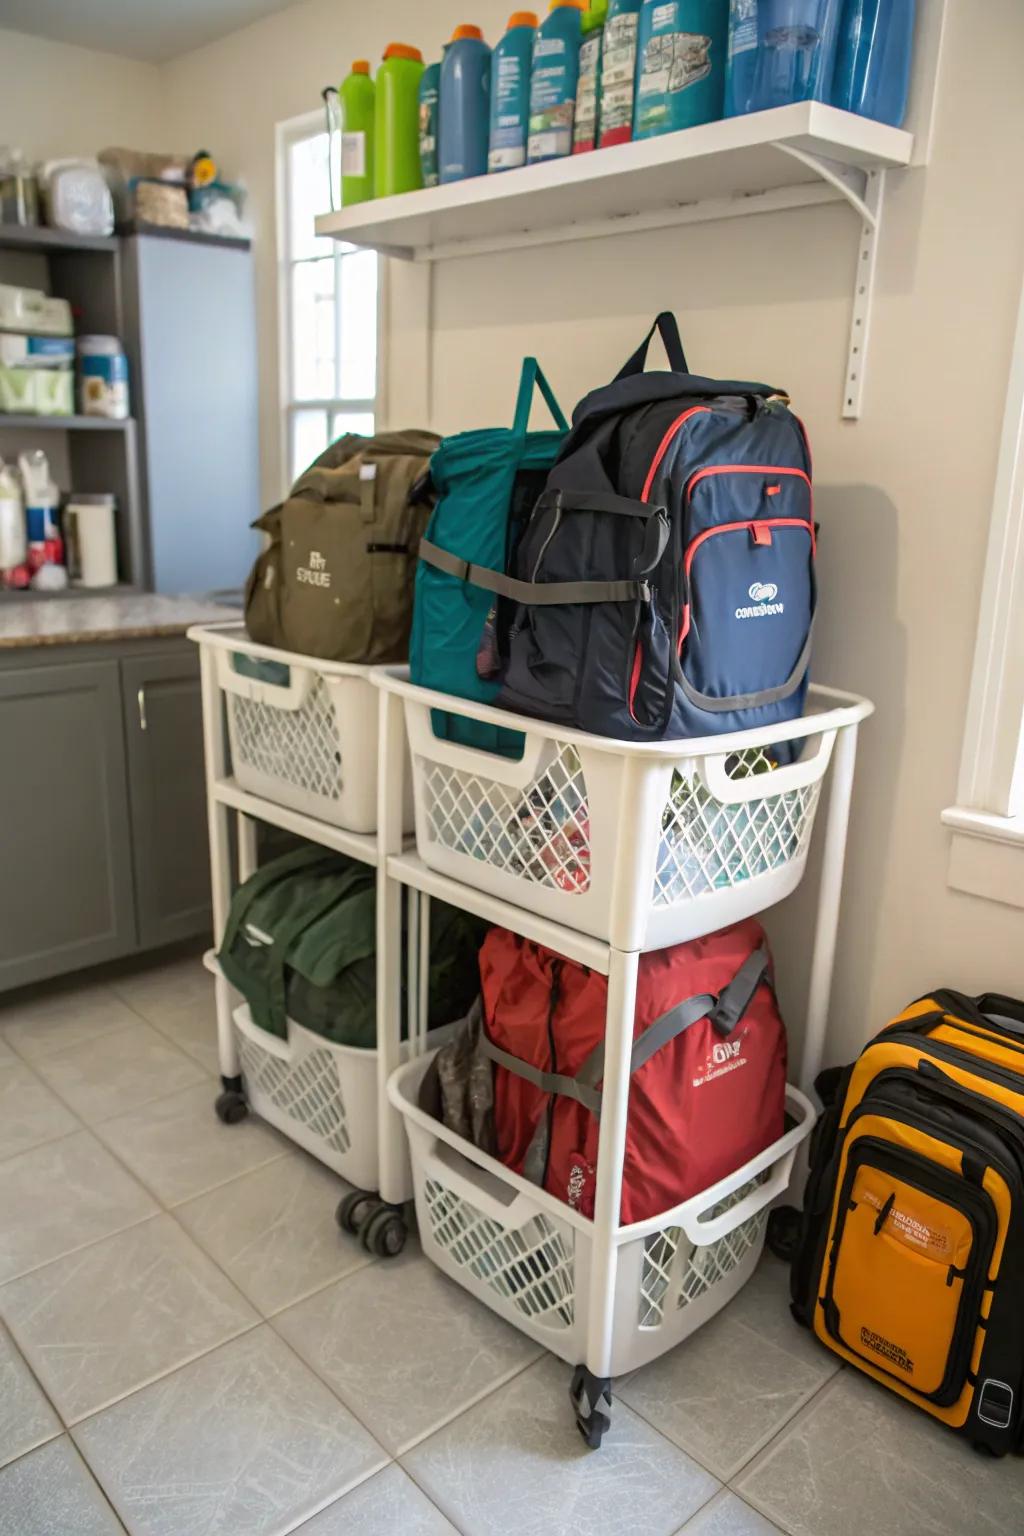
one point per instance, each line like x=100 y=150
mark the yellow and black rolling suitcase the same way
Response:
x=910 y=1264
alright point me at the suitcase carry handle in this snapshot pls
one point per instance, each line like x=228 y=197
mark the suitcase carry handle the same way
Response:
x=779 y=1157
x=764 y=786
x=291 y=695
x=668 y=329
x=1007 y=1012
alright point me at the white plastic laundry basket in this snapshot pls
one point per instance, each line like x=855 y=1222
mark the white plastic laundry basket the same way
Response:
x=320 y=1095
x=529 y=1257
x=642 y=845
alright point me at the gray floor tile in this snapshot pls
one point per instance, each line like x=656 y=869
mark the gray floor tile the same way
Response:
x=763 y=1304
x=516 y=1463
x=119 y=1072
x=161 y=990
x=244 y=1442
x=179 y=1149
x=861 y=1460
x=29 y=1113
x=192 y=1027
x=728 y=1515
x=361 y=1334
x=51 y=1493
x=273 y=1231
x=386 y=1505
x=6 y=1054
x=60 y=1197
x=723 y=1393
x=58 y=1021
x=103 y=1322
x=26 y=1418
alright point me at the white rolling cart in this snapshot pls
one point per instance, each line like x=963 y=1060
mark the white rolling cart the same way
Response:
x=292 y=741
x=599 y=850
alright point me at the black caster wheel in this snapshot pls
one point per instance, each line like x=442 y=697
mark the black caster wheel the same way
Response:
x=783 y=1235
x=355 y=1210
x=591 y=1398
x=231 y=1107
x=384 y=1234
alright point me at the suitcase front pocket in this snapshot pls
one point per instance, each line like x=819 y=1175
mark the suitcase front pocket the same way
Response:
x=907 y=1268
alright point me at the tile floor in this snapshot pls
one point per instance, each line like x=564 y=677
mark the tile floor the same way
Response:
x=190 y=1347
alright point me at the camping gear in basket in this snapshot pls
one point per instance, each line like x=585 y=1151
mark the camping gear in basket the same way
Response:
x=665 y=582
x=336 y=579
x=300 y=943
x=486 y=482
x=911 y=1258
x=708 y=1071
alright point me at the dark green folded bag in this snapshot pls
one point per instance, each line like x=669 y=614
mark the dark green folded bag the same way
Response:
x=301 y=940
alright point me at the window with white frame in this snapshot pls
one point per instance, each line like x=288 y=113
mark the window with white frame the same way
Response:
x=328 y=298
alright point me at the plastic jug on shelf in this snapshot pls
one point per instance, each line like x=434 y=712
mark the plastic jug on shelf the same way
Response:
x=396 y=158
x=618 y=72
x=465 y=105
x=681 y=49
x=556 y=68
x=510 y=93
x=873 y=56
x=588 y=90
x=796 y=52
x=430 y=107
x=741 y=60
x=356 y=102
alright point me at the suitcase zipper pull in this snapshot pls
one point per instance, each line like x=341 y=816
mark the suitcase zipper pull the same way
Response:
x=883 y=1214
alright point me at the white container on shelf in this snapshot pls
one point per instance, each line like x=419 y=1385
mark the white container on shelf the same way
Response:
x=530 y=1257
x=639 y=844
x=91 y=539
x=304 y=735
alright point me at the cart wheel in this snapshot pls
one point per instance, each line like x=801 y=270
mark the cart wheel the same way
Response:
x=384 y=1233
x=591 y=1398
x=783 y=1234
x=355 y=1210
x=231 y=1106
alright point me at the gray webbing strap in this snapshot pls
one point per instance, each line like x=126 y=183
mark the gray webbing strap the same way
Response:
x=725 y=1012
x=598 y=501
x=532 y=593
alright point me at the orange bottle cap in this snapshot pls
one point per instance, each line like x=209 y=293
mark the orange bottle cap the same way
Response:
x=403 y=51
x=360 y=66
x=467 y=30
x=522 y=19
x=577 y=5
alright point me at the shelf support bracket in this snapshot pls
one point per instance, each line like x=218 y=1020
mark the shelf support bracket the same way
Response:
x=865 y=193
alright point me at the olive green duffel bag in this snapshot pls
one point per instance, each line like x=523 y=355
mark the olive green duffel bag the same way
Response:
x=336 y=579
x=300 y=943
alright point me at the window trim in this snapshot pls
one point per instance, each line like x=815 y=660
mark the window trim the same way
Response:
x=988 y=818
x=287 y=133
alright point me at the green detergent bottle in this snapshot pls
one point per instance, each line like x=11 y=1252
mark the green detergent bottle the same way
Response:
x=396 y=159
x=356 y=97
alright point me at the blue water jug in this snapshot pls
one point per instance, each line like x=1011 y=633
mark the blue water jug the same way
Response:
x=796 y=52
x=680 y=64
x=872 y=74
x=510 y=93
x=741 y=60
x=464 y=107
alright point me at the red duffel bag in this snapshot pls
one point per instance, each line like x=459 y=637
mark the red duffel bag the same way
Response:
x=708 y=1070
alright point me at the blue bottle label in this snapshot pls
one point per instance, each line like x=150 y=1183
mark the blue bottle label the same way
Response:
x=742 y=26
x=508 y=129
x=551 y=109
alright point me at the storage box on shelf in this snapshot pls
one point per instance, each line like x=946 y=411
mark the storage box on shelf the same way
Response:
x=531 y=1258
x=640 y=845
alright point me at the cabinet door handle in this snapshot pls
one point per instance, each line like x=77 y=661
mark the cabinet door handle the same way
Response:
x=143 y=726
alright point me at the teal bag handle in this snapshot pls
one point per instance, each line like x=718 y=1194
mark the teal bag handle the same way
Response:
x=532 y=376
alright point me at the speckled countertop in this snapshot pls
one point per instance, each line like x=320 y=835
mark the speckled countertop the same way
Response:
x=131 y=616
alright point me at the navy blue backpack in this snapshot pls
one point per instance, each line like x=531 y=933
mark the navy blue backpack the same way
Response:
x=664 y=586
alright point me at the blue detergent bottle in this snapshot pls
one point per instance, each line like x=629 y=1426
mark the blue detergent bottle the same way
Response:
x=796 y=52
x=681 y=51
x=464 y=107
x=872 y=74
x=510 y=93
x=553 y=82
x=741 y=62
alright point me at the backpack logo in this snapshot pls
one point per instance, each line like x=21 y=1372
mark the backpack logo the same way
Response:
x=725 y=1050
x=726 y=1056
x=762 y=596
x=316 y=573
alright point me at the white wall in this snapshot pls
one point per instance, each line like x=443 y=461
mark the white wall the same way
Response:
x=56 y=99
x=903 y=495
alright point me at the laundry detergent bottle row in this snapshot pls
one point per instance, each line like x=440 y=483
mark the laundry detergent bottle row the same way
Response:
x=556 y=68
x=430 y=107
x=681 y=53
x=510 y=92
x=465 y=105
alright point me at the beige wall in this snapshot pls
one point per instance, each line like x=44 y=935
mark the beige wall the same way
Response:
x=57 y=100
x=903 y=495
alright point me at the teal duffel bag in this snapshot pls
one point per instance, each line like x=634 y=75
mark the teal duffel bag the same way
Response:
x=300 y=943
x=486 y=483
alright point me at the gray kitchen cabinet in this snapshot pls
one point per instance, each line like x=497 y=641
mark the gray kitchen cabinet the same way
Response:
x=66 y=888
x=164 y=734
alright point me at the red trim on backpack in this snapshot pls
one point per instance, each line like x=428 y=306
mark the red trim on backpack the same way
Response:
x=638 y=666
x=663 y=446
